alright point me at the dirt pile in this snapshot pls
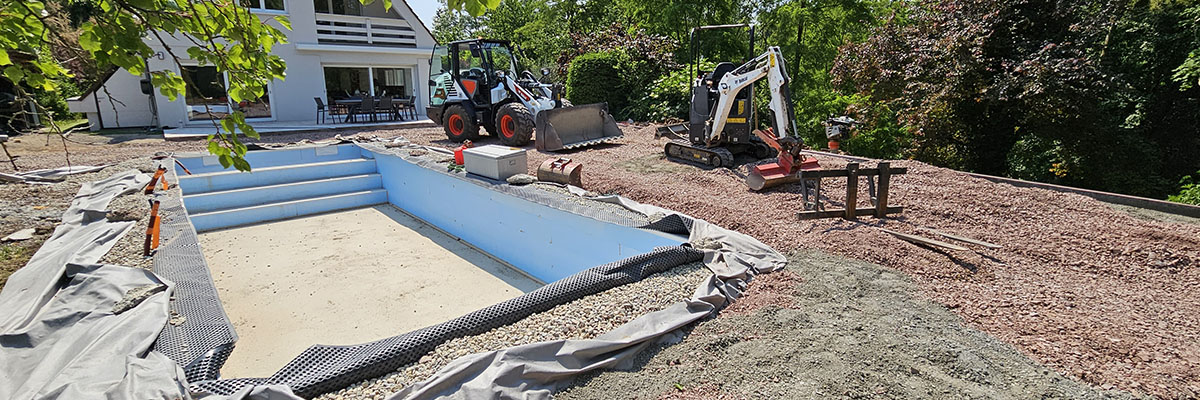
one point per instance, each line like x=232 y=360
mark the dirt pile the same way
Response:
x=851 y=330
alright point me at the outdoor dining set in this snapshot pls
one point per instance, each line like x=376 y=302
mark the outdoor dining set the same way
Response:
x=366 y=109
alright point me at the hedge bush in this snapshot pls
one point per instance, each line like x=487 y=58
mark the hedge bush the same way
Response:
x=596 y=78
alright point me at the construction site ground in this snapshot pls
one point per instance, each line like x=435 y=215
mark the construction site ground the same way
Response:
x=1083 y=297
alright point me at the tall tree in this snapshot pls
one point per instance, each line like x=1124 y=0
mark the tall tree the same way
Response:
x=1037 y=89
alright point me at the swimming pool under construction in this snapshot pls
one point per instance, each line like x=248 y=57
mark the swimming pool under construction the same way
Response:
x=343 y=245
x=329 y=265
x=332 y=267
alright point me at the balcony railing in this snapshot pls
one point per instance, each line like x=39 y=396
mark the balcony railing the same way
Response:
x=364 y=31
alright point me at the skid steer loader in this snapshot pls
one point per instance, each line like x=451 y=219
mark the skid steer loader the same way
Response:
x=476 y=83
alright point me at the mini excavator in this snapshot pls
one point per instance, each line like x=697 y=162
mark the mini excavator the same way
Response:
x=720 y=123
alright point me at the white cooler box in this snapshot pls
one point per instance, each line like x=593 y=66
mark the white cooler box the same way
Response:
x=496 y=162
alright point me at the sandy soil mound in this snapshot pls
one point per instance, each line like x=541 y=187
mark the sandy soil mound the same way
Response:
x=851 y=330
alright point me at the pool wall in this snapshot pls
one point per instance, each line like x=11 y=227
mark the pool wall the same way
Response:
x=544 y=242
x=578 y=248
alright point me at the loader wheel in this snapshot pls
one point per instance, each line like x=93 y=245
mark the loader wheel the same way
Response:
x=460 y=125
x=515 y=124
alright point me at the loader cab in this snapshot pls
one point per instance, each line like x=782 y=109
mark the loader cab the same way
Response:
x=470 y=69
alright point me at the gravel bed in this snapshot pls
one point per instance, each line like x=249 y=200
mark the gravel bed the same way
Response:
x=585 y=318
x=41 y=207
x=1093 y=292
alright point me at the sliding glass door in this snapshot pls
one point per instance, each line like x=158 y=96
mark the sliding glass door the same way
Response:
x=206 y=96
x=352 y=82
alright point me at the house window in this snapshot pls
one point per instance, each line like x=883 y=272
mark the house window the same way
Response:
x=341 y=7
x=345 y=83
x=206 y=97
x=394 y=82
x=205 y=93
x=276 y=5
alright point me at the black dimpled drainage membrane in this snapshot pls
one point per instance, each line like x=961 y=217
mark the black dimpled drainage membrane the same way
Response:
x=204 y=341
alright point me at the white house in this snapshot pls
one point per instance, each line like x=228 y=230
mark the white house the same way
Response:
x=336 y=49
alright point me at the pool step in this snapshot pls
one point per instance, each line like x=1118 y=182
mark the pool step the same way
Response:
x=244 y=197
x=207 y=221
x=231 y=180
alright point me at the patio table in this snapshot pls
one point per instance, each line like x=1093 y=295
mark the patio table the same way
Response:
x=353 y=104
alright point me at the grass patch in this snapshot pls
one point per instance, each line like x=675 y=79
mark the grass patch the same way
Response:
x=14 y=256
x=64 y=125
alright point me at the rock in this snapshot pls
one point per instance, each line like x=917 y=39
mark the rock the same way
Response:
x=521 y=179
x=706 y=243
x=24 y=234
x=417 y=152
x=136 y=296
x=176 y=319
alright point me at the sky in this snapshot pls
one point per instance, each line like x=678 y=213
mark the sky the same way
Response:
x=425 y=10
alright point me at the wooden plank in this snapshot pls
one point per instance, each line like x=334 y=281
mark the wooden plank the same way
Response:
x=882 y=197
x=968 y=240
x=851 y=190
x=834 y=173
x=842 y=212
x=924 y=240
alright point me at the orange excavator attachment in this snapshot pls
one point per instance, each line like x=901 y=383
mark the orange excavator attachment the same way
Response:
x=786 y=169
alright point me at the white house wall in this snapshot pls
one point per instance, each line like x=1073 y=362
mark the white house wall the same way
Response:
x=292 y=98
x=127 y=107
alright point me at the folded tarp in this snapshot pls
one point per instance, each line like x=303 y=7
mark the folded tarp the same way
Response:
x=48 y=175
x=535 y=371
x=73 y=329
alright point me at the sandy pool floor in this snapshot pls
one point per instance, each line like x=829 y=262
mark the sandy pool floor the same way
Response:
x=344 y=278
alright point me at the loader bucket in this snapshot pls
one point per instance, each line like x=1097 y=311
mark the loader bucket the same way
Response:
x=572 y=127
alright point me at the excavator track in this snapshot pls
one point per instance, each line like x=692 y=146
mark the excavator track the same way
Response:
x=710 y=156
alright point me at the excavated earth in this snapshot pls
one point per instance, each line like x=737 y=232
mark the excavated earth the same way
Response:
x=1093 y=292
x=1102 y=295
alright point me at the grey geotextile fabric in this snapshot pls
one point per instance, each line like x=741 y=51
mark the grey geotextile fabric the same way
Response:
x=535 y=371
x=63 y=335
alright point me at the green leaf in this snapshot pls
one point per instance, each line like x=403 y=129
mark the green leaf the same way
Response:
x=284 y=22
x=143 y=4
x=241 y=164
x=14 y=73
x=225 y=160
x=4 y=58
x=88 y=40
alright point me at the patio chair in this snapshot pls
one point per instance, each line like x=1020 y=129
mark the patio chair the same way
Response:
x=367 y=108
x=328 y=110
x=385 y=106
x=407 y=106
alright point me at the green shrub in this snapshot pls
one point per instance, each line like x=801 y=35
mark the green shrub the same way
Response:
x=666 y=98
x=596 y=78
x=55 y=102
x=1189 y=190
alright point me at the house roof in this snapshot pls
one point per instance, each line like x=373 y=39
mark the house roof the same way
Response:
x=418 y=17
x=97 y=84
